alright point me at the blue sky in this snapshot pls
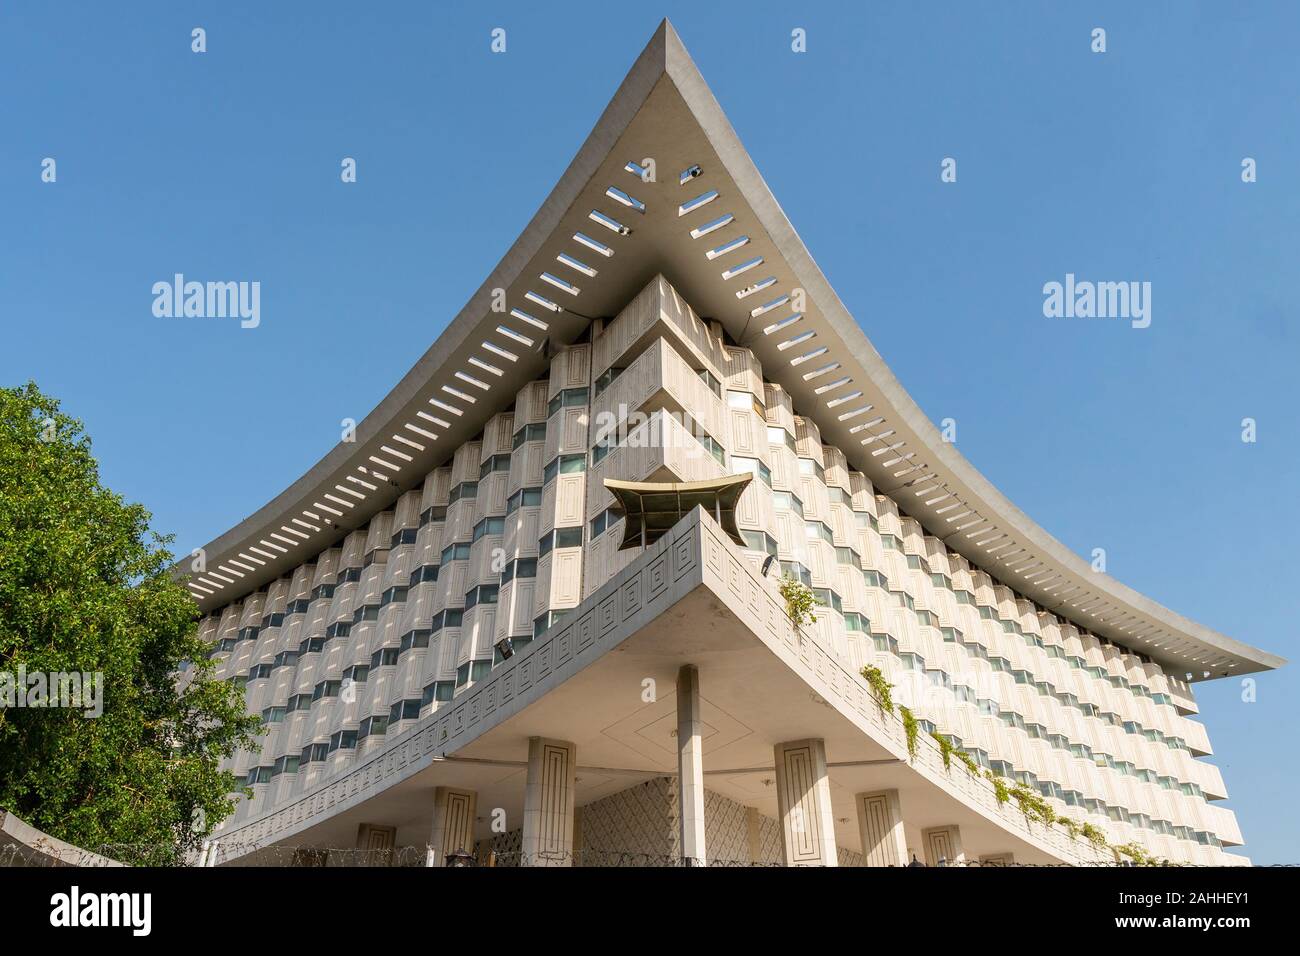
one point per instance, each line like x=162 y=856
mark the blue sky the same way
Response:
x=1117 y=166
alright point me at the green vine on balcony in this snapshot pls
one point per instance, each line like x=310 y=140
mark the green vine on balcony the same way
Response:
x=912 y=728
x=1093 y=835
x=1033 y=806
x=1000 y=790
x=946 y=748
x=1069 y=826
x=881 y=688
x=972 y=767
x=799 y=601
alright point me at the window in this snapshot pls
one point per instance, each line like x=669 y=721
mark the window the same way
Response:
x=797 y=571
x=424 y=573
x=455 y=552
x=746 y=400
x=545 y=622
x=759 y=541
x=714 y=448
x=405 y=536
x=489 y=526
x=606 y=378
x=809 y=467
x=466 y=489
x=776 y=435
x=519 y=568
x=564 y=465
x=494 y=463
x=529 y=433
x=569 y=398
x=751 y=466
x=603 y=521
x=784 y=499
x=523 y=498
x=710 y=380
x=559 y=538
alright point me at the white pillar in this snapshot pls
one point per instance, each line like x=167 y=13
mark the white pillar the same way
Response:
x=943 y=843
x=453 y=824
x=880 y=821
x=375 y=844
x=690 y=766
x=803 y=793
x=548 y=803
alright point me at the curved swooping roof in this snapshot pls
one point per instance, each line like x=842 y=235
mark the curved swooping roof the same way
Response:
x=698 y=231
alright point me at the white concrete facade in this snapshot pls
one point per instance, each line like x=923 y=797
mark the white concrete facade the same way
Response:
x=378 y=659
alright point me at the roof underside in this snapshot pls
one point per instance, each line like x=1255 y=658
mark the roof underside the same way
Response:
x=819 y=354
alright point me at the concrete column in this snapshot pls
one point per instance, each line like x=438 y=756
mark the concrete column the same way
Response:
x=803 y=794
x=548 y=803
x=690 y=766
x=880 y=821
x=453 y=824
x=754 y=831
x=943 y=843
x=375 y=844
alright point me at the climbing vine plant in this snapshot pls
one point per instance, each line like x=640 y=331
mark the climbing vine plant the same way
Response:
x=881 y=688
x=799 y=601
x=912 y=728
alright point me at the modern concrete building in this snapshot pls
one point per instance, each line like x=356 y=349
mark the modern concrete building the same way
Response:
x=462 y=638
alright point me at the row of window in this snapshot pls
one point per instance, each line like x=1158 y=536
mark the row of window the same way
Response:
x=1073 y=798
x=991 y=708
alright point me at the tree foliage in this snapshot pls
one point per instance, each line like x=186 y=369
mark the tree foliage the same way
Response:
x=84 y=587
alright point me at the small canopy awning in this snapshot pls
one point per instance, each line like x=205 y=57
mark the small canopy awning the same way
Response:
x=652 y=507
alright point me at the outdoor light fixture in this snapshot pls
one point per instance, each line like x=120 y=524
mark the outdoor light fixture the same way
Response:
x=915 y=861
x=506 y=648
x=767 y=564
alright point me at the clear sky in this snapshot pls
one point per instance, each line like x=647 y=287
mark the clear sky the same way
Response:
x=1124 y=165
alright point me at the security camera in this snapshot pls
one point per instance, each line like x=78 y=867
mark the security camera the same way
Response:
x=693 y=172
x=624 y=231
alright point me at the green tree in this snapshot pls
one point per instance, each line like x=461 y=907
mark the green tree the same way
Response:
x=85 y=587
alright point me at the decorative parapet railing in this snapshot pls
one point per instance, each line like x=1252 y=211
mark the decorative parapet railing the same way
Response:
x=754 y=600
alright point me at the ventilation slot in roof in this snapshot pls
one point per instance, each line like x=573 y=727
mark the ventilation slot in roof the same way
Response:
x=565 y=259
x=473 y=381
x=726 y=247
x=541 y=300
x=769 y=306
x=807 y=356
x=616 y=194
x=756 y=287
x=784 y=323
x=613 y=225
x=516 y=336
x=699 y=201
x=797 y=340
x=560 y=284
x=497 y=350
x=713 y=226
x=743 y=267
x=592 y=244
x=523 y=316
